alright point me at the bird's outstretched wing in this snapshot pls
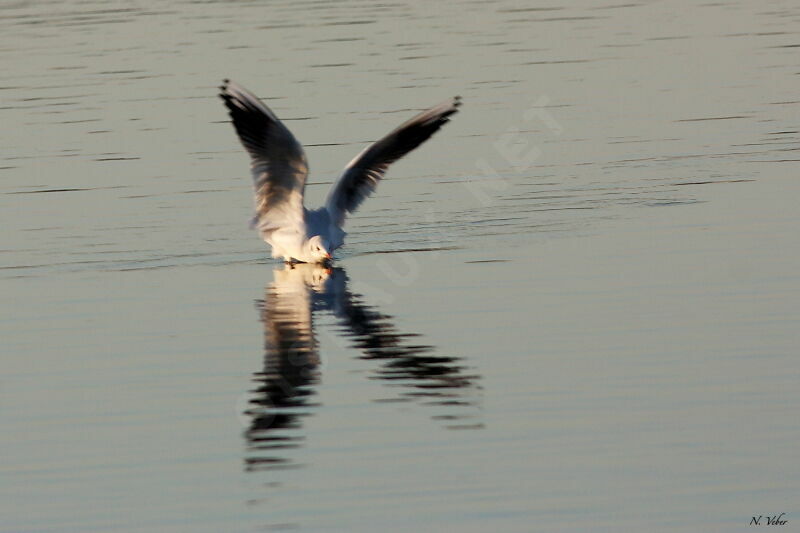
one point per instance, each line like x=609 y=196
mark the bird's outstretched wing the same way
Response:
x=278 y=163
x=363 y=173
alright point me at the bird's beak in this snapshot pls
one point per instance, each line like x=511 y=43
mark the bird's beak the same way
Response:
x=328 y=256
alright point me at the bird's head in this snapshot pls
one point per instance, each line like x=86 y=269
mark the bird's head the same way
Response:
x=318 y=249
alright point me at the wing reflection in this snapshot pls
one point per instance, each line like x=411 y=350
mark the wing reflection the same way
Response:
x=286 y=386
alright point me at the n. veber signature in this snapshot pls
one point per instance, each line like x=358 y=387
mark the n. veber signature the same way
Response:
x=774 y=520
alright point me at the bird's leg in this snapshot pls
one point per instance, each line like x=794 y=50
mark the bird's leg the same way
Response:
x=291 y=262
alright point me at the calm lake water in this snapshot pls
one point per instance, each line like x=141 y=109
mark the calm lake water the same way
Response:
x=574 y=309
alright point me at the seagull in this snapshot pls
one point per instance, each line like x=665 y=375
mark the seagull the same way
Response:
x=279 y=169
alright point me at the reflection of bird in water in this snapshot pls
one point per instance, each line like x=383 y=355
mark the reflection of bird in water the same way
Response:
x=290 y=364
x=286 y=386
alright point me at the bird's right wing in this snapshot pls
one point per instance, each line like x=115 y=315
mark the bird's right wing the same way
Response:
x=362 y=174
x=278 y=163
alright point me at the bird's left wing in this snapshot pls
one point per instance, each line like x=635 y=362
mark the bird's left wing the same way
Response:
x=363 y=173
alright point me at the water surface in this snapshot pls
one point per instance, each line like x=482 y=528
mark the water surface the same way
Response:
x=574 y=309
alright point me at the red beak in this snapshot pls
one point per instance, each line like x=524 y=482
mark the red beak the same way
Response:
x=328 y=255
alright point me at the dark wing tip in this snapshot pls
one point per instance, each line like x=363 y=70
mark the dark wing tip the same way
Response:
x=455 y=103
x=223 y=90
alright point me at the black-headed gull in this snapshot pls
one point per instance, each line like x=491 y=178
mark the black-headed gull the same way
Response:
x=279 y=168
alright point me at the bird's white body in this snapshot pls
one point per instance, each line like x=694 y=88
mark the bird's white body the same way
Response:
x=296 y=243
x=279 y=169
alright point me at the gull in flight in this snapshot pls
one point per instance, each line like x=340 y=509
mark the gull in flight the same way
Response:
x=279 y=168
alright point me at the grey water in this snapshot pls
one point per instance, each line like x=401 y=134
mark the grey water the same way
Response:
x=574 y=309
